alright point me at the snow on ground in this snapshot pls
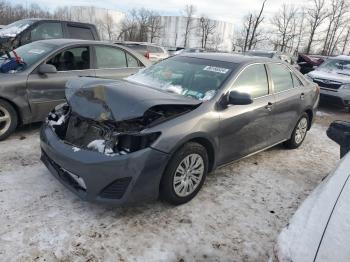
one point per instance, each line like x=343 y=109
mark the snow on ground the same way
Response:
x=236 y=216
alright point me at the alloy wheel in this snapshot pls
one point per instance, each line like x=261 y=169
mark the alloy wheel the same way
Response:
x=188 y=175
x=5 y=120
x=301 y=130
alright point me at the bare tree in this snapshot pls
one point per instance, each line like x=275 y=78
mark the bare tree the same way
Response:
x=154 y=26
x=339 y=8
x=257 y=21
x=346 y=40
x=284 y=23
x=206 y=29
x=316 y=14
x=188 y=13
x=248 y=25
x=109 y=25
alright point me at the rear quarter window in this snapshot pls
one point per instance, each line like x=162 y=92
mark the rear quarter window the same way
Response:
x=76 y=32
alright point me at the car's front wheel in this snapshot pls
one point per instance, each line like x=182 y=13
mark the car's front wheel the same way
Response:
x=185 y=174
x=299 y=132
x=8 y=119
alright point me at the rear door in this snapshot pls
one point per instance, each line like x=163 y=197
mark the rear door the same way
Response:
x=47 y=91
x=45 y=30
x=289 y=97
x=245 y=129
x=115 y=63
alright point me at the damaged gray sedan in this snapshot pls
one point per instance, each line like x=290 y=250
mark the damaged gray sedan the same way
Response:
x=160 y=131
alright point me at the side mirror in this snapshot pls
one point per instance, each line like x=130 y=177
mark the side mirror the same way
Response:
x=236 y=98
x=47 y=69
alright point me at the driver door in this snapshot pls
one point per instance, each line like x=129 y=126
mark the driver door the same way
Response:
x=245 y=129
x=45 y=91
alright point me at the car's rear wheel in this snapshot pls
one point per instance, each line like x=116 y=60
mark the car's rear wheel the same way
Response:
x=299 y=132
x=185 y=174
x=8 y=119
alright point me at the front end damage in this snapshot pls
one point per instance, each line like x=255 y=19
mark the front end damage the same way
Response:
x=104 y=154
x=109 y=137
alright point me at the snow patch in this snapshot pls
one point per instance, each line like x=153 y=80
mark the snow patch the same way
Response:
x=76 y=149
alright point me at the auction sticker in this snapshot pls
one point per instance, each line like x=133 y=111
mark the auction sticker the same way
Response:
x=215 y=69
x=36 y=51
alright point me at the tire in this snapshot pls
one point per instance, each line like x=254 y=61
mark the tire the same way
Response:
x=174 y=179
x=8 y=119
x=300 y=129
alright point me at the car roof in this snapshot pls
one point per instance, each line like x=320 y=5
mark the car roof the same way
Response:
x=342 y=57
x=55 y=20
x=68 y=41
x=227 y=57
x=135 y=43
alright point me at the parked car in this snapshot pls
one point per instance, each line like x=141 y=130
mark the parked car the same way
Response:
x=151 y=51
x=36 y=86
x=274 y=55
x=309 y=63
x=174 y=50
x=29 y=30
x=160 y=131
x=333 y=77
x=320 y=228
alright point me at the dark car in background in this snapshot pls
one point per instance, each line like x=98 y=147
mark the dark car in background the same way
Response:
x=151 y=51
x=309 y=63
x=29 y=30
x=36 y=86
x=160 y=131
x=274 y=55
x=333 y=77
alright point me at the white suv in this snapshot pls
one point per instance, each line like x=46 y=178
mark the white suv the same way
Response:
x=333 y=77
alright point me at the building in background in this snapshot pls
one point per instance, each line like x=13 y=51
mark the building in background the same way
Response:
x=173 y=30
x=107 y=21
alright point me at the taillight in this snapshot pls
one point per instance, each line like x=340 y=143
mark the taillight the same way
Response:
x=147 y=55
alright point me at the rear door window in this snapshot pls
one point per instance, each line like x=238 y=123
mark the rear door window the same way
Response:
x=132 y=61
x=49 y=30
x=77 y=58
x=110 y=57
x=253 y=80
x=76 y=32
x=281 y=77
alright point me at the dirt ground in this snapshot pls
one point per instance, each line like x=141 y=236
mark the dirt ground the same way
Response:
x=236 y=216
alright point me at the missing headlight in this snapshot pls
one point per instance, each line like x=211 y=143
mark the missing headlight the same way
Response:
x=133 y=142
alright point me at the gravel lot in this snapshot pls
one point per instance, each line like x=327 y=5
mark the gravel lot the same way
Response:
x=236 y=216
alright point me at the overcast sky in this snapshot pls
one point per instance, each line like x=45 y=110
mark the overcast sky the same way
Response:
x=228 y=10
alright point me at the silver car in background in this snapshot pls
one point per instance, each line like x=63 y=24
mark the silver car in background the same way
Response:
x=151 y=51
x=333 y=77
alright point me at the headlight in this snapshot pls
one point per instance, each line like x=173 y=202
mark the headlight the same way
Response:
x=346 y=86
x=134 y=142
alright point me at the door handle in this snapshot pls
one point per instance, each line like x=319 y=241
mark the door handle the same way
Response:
x=302 y=96
x=269 y=106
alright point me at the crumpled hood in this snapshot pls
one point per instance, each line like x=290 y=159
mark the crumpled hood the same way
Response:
x=330 y=75
x=117 y=100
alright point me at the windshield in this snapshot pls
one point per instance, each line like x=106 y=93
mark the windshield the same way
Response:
x=261 y=54
x=30 y=54
x=187 y=76
x=15 y=28
x=336 y=65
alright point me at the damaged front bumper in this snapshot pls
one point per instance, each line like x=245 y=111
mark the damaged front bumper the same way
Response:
x=97 y=177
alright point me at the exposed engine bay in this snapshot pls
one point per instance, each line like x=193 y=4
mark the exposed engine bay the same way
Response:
x=111 y=137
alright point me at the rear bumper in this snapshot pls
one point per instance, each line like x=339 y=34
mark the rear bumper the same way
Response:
x=113 y=180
